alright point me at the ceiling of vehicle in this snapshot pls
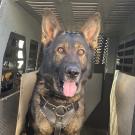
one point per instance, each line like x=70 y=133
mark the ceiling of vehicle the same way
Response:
x=73 y=13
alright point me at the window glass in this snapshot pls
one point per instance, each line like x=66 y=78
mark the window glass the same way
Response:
x=21 y=44
x=32 y=62
x=126 y=56
x=14 y=62
x=20 y=54
x=20 y=64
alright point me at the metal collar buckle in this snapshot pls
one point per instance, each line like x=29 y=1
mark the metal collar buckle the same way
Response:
x=60 y=111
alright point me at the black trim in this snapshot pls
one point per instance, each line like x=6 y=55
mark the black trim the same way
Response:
x=133 y=124
x=99 y=68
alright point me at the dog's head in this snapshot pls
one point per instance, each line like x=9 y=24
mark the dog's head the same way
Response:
x=67 y=56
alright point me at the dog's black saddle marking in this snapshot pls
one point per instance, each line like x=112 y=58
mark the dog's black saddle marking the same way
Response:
x=58 y=116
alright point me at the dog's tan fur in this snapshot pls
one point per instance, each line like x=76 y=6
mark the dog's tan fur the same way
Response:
x=50 y=28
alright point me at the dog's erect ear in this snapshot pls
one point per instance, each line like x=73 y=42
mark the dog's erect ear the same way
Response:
x=91 y=30
x=50 y=27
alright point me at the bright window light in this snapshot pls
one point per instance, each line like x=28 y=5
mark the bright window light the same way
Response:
x=21 y=44
x=20 y=64
x=20 y=54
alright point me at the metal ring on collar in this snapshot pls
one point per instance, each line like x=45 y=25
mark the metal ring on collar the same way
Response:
x=60 y=110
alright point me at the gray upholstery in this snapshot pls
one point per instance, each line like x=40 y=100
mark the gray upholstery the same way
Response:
x=125 y=101
x=27 y=84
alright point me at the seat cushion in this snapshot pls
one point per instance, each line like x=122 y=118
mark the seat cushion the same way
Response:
x=28 y=81
x=125 y=101
x=122 y=102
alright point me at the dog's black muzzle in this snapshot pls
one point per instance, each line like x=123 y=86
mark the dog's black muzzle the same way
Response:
x=72 y=71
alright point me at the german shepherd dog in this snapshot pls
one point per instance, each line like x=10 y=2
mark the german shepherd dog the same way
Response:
x=57 y=104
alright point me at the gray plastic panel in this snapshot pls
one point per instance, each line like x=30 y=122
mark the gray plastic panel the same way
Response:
x=8 y=114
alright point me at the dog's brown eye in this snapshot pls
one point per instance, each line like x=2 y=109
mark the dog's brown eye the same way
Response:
x=60 y=50
x=81 y=52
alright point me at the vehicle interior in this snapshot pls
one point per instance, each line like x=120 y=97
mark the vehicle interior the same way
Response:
x=110 y=93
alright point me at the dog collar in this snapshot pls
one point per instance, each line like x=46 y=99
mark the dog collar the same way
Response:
x=59 y=116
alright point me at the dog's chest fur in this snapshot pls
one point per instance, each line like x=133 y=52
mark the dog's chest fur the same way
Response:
x=42 y=125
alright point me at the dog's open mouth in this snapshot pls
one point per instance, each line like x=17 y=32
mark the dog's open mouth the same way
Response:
x=69 y=88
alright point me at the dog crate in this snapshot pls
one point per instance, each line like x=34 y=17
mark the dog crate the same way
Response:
x=21 y=52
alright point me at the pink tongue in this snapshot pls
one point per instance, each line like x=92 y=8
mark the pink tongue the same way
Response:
x=69 y=88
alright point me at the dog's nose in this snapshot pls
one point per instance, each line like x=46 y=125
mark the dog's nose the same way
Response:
x=72 y=71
